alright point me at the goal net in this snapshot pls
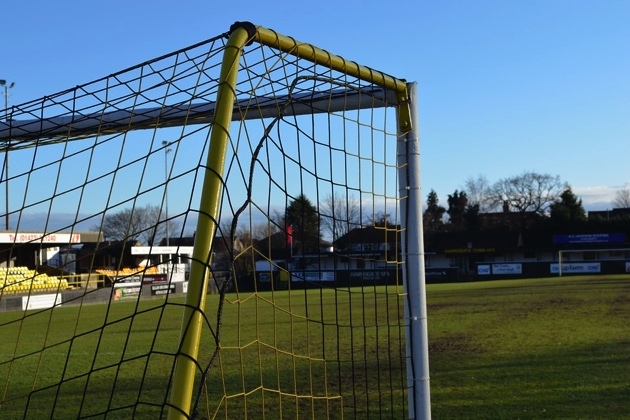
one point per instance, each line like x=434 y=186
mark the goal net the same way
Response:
x=231 y=230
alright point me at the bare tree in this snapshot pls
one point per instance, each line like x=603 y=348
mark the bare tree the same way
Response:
x=225 y=227
x=145 y=224
x=381 y=219
x=264 y=229
x=247 y=232
x=528 y=192
x=479 y=192
x=622 y=198
x=339 y=214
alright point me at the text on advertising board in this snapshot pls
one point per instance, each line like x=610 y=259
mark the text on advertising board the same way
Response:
x=54 y=238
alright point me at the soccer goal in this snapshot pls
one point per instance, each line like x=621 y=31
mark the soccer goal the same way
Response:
x=230 y=230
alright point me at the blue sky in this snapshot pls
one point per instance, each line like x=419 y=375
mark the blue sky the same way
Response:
x=504 y=86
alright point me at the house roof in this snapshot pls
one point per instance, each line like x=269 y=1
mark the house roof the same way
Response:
x=617 y=213
x=219 y=244
x=508 y=219
x=187 y=241
x=466 y=241
x=368 y=235
x=276 y=246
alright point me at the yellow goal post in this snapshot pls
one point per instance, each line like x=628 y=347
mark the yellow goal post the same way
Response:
x=243 y=33
x=256 y=204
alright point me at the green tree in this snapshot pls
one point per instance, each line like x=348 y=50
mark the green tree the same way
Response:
x=568 y=209
x=471 y=217
x=302 y=216
x=432 y=217
x=457 y=203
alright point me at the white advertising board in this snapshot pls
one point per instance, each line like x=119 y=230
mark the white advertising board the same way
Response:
x=313 y=276
x=507 y=269
x=587 y=267
x=41 y=301
x=483 y=270
x=53 y=238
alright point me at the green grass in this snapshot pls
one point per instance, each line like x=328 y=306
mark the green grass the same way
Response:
x=554 y=348
x=285 y=354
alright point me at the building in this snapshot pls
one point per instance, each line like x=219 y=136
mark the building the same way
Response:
x=511 y=245
x=363 y=256
x=61 y=250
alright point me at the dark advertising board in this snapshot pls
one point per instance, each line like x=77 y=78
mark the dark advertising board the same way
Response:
x=439 y=275
x=162 y=289
x=589 y=238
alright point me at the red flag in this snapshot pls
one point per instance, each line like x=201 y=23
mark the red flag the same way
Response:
x=289 y=234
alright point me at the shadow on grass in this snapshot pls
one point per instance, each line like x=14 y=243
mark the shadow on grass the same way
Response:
x=588 y=382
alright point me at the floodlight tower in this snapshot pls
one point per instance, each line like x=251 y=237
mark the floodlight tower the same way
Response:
x=6 y=152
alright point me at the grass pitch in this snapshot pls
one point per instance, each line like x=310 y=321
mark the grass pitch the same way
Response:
x=557 y=348
x=545 y=348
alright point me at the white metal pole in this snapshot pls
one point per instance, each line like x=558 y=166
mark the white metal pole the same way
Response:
x=7 y=86
x=6 y=158
x=408 y=150
x=166 y=151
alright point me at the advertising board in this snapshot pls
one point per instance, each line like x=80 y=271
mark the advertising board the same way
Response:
x=162 y=289
x=507 y=268
x=41 y=301
x=570 y=268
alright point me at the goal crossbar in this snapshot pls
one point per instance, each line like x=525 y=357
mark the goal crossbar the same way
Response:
x=319 y=56
x=23 y=133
